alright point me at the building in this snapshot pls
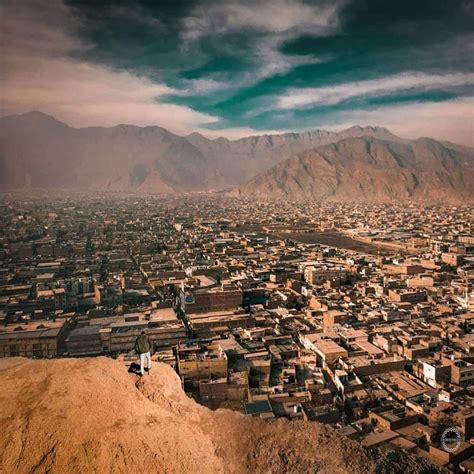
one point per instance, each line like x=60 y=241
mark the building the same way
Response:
x=328 y=352
x=41 y=340
x=462 y=373
x=201 y=361
x=204 y=300
x=318 y=274
x=407 y=295
x=332 y=317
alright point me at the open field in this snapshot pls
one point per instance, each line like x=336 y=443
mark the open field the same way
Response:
x=336 y=239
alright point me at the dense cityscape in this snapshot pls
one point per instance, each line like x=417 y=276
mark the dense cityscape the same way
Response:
x=237 y=237
x=360 y=316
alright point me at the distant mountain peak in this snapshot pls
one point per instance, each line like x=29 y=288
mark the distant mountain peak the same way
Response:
x=35 y=117
x=196 y=135
x=197 y=138
x=127 y=126
x=370 y=129
x=38 y=114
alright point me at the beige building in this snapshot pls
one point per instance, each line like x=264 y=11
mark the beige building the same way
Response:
x=328 y=352
x=39 y=340
x=462 y=373
x=201 y=361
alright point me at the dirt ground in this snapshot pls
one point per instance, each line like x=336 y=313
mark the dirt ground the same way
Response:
x=91 y=415
x=339 y=240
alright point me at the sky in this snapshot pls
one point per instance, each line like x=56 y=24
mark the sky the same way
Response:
x=237 y=68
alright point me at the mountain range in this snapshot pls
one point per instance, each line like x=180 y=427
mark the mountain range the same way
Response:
x=359 y=163
x=372 y=170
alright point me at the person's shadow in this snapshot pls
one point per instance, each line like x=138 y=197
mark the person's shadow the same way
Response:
x=134 y=368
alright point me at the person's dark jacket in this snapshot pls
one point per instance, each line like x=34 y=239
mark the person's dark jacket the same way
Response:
x=142 y=344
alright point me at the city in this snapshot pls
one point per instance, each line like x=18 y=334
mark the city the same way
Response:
x=359 y=316
x=237 y=237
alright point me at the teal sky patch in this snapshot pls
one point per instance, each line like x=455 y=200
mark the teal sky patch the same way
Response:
x=279 y=65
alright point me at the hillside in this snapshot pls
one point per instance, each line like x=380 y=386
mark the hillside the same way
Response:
x=79 y=415
x=372 y=170
x=38 y=151
x=243 y=159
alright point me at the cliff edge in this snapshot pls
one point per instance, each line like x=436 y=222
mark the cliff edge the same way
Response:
x=84 y=415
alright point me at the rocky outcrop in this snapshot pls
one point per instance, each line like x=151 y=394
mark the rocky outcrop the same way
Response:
x=91 y=415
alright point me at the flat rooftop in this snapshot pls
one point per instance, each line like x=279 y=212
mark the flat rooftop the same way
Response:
x=163 y=315
x=213 y=314
x=32 y=326
x=328 y=346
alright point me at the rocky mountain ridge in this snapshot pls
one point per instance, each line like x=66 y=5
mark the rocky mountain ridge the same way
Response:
x=38 y=151
x=371 y=170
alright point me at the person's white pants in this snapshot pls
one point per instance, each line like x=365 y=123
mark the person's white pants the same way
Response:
x=145 y=357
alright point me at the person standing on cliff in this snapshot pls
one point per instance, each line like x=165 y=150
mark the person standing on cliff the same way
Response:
x=143 y=349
